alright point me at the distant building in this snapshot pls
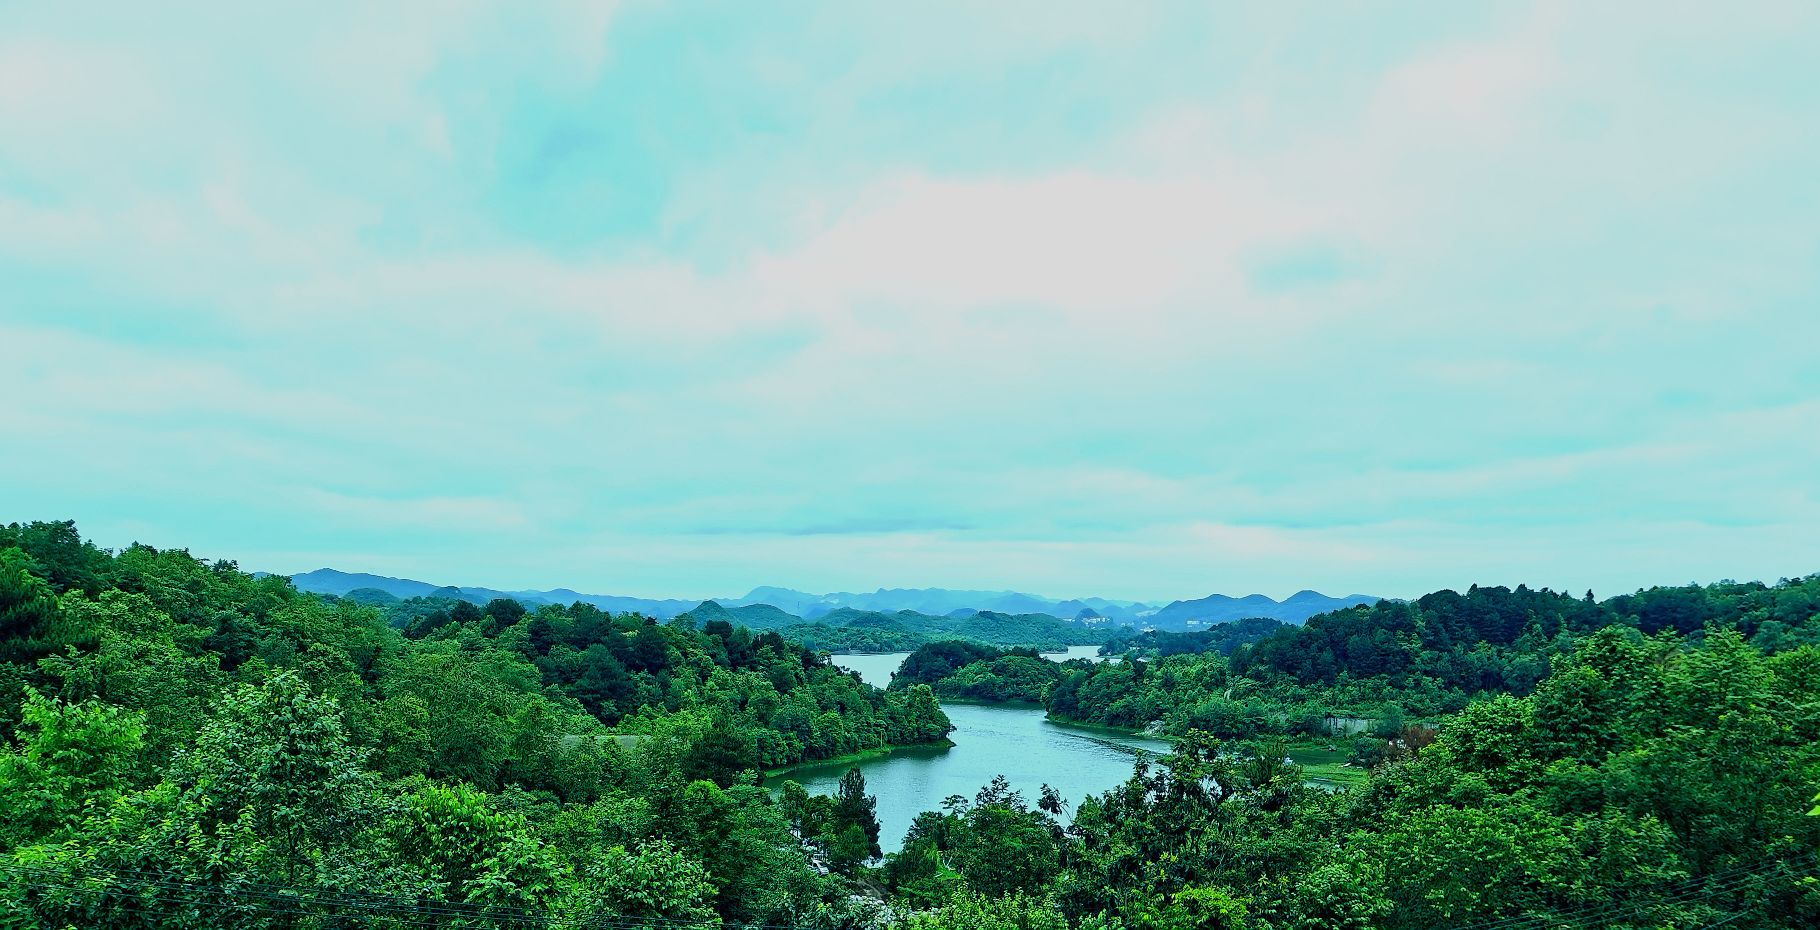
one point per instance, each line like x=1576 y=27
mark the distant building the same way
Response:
x=1342 y=725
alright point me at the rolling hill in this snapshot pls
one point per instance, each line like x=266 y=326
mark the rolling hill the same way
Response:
x=913 y=612
x=1219 y=608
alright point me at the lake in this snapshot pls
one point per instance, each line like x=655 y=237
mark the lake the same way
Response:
x=1015 y=741
x=876 y=669
x=989 y=740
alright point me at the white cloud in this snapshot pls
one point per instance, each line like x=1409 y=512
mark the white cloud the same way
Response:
x=1089 y=245
x=1060 y=376
x=465 y=514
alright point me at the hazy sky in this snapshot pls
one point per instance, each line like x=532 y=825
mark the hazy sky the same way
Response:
x=1128 y=300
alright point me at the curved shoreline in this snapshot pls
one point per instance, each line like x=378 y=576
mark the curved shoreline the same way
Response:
x=862 y=755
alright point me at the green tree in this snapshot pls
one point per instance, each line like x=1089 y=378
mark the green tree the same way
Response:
x=68 y=561
x=142 y=660
x=1334 y=897
x=505 y=611
x=1002 y=847
x=917 y=717
x=28 y=607
x=1013 y=912
x=855 y=809
x=656 y=883
x=71 y=758
x=737 y=834
x=474 y=854
x=1192 y=908
x=276 y=760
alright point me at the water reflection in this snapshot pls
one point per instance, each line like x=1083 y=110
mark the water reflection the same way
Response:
x=988 y=740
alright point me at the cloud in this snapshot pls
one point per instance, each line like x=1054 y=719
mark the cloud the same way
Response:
x=468 y=515
x=1090 y=245
x=1143 y=307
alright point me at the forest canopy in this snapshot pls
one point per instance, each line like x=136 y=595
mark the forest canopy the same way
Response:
x=186 y=744
x=172 y=720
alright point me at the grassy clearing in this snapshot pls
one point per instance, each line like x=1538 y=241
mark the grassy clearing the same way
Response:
x=1325 y=761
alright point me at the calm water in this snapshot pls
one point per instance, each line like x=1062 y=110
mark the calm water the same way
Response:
x=876 y=669
x=1075 y=652
x=988 y=740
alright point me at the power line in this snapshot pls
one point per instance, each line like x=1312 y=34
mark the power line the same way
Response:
x=1605 y=913
x=307 y=901
x=1693 y=888
x=175 y=897
x=1699 y=885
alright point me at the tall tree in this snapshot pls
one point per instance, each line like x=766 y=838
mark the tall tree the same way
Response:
x=28 y=607
x=853 y=807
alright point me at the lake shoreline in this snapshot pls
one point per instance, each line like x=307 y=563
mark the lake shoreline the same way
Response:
x=1139 y=732
x=1046 y=652
x=1135 y=732
x=990 y=740
x=980 y=702
x=1334 y=773
x=864 y=755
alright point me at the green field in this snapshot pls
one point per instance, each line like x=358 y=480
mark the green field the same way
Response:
x=1325 y=761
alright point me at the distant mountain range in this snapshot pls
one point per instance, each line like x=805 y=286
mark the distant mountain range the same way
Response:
x=1179 y=615
x=1218 y=608
x=852 y=629
x=330 y=581
x=938 y=602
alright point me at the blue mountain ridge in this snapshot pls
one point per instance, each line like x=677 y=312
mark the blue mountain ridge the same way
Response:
x=1178 y=615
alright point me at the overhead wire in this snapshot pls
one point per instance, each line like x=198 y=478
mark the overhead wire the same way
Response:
x=312 y=901
x=1690 y=889
x=181 y=896
x=1680 y=887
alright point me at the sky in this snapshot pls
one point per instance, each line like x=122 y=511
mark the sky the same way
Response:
x=1142 y=301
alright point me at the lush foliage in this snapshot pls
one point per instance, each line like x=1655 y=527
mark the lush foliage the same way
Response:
x=1222 y=638
x=850 y=630
x=1647 y=781
x=1377 y=667
x=190 y=745
x=843 y=828
x=968 y=671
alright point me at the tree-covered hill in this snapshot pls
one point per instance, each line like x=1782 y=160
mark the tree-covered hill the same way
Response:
x=940 y=602
x=957 y=669
x=1222 y=638
x=340 y=584
x=186 y=745
x=1219 y=608
x=170 y=720
x=753 y=616
x=1647 y=781
x=1394 y=660
x=851 y=630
